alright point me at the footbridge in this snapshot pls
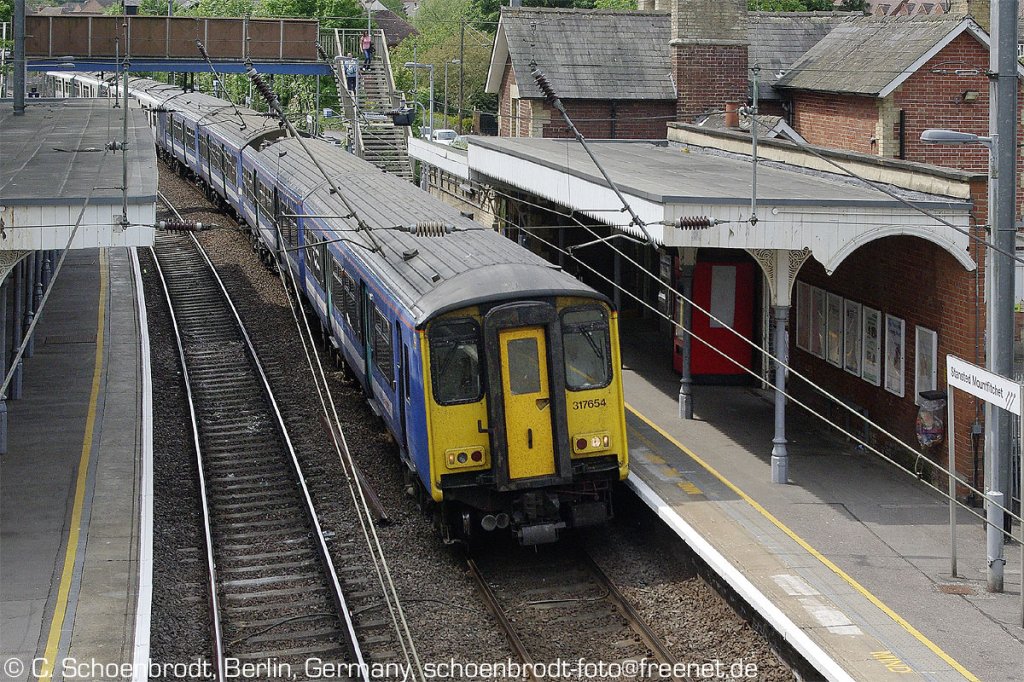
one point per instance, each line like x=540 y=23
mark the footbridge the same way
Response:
x=152 y=43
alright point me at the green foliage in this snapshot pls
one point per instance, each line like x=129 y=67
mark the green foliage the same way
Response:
x=485 y=13
x=440 y=25
x=792 y=5
x=615 y=4
x=5 y=11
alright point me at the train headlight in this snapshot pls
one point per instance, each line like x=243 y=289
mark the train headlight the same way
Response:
x=590 y=443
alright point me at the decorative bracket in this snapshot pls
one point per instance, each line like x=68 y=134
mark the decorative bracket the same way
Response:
x=8 y=259
x=780 y=268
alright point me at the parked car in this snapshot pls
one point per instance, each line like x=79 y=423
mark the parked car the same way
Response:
x=445 y=136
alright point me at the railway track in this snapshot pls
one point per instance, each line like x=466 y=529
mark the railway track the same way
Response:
x=561 y=607
x=275 y=598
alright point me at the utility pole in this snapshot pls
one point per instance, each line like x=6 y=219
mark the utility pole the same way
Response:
x=462 y=70
x=19 y=58
x=999 y=272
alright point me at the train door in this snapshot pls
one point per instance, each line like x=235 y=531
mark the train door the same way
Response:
x=402 y=387
x=366 y=320
x=527 y=397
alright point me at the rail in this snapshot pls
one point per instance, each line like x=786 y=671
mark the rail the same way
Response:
x=611 y=595
x=165 y=249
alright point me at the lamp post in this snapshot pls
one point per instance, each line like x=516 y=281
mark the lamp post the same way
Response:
x=999 y=333
x=430 y=67
x=450 y=61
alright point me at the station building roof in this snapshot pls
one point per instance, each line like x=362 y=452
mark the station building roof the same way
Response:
x=797 y=208
x=54 y=160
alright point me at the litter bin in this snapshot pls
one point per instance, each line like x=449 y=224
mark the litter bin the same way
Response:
x=931 y=419
x=401 y=117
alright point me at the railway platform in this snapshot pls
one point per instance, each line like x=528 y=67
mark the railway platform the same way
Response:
x=850 y=560
x=75 y=484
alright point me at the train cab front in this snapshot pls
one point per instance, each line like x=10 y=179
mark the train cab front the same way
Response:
x=551 y=417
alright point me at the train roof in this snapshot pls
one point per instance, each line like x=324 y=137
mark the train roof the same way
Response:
x=236 y=124
x=429 y=275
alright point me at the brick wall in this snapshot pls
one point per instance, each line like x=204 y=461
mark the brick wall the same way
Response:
x=840 y=122
x=708 y=76
x=508 y=80
x=933 y=98
x=924 y=285
x=610 y=119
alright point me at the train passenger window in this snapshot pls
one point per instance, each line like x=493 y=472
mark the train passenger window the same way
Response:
x=587 y=348
x=204 y=146
x=455 y=361
x=290 y=231
x=337 y=285
x=230 y=170
x=190 y=138
x=382 y=345
x=247 y=181
x=351 y=309
x=312 y=256
x=265 y=198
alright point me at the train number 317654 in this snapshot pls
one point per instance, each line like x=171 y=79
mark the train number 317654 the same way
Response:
x=588 y=404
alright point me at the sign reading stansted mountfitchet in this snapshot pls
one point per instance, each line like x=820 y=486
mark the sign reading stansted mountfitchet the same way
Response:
x=982 y=383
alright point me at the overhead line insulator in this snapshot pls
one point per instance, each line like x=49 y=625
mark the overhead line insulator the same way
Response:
x=181 y=226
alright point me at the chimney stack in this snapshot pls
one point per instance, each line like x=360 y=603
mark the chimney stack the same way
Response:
x=709 y=54
x=732 y=115
x=979 y=10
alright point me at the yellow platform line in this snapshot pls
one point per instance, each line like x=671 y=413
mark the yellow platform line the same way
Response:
x=810 y=550
x=61 y=608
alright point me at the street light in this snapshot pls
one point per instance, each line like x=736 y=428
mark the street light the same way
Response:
x=450 y=61
x=939 y=136
x=998 y=336
x=418 y=65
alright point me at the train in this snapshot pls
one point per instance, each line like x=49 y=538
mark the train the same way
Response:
x=497 y=373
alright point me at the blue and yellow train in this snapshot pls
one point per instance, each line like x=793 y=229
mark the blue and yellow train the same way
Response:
x=497 y=373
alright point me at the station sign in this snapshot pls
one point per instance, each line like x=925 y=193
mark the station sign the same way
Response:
x=980 y=382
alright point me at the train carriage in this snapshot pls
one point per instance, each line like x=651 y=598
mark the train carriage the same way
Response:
x=496 y=371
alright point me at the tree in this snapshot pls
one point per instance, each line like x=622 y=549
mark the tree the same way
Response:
x=790 y=5
x=485 y=13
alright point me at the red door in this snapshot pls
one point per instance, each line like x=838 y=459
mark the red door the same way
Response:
x=727 y=291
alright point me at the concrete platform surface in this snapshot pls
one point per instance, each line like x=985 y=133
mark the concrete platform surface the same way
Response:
x=852 y=552
x=70 y=482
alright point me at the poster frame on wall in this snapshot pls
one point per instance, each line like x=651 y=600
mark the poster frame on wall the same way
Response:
x=871 y=347
x=926 y=359
x=834 y=334
x=895 y=355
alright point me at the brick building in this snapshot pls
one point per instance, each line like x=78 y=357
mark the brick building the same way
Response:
x=611 y=70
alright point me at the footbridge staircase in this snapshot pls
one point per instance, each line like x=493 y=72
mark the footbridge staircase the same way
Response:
x=373 y=133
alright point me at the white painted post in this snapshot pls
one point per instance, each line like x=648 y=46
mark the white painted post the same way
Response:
x=951 y=446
